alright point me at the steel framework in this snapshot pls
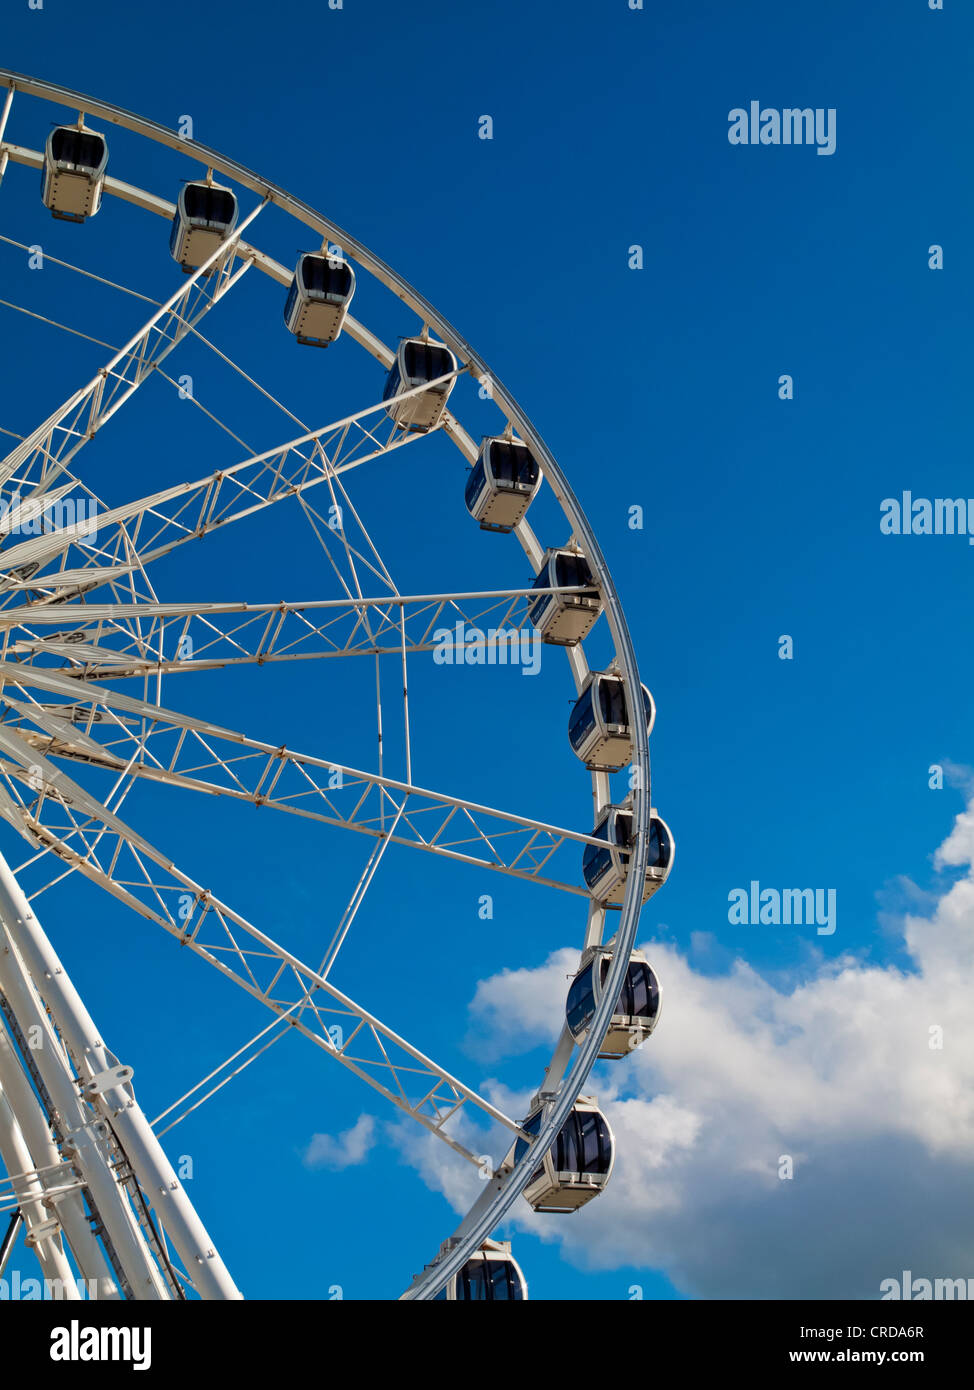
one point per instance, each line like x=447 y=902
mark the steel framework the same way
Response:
x=72 y=1136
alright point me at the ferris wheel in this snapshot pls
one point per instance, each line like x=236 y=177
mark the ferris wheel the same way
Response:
x=98 y=714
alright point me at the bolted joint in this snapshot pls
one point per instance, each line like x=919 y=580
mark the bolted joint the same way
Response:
x=107 y=1080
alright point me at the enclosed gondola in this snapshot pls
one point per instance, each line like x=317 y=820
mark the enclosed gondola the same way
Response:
x=605 y=867
x=502 y=484
x=563 y=619
x=318 y=300
x=418 y=362
x=491 y=1275
x=577 y=1166
x=598 y=728
x=73 y=174
x=206 y=214
x=637 y=1009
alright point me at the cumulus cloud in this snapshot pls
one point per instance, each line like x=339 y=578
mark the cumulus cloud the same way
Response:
x=349 y=1149
x=511 y=1012
x=843 y=1073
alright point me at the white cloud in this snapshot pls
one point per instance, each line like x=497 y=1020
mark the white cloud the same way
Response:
x=511 y=1012
x=837 y=1072
x=349 y=1149
x=958 y=848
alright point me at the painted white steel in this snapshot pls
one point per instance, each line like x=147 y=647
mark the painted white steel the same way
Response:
x=116 y=1102
x=69 y=1207
x=84 y=1132
x=502 y=1196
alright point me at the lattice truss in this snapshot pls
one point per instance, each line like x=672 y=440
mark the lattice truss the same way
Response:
x=78 y=609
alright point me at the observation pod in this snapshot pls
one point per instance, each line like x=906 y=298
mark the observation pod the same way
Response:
x=564 y=619
x=577 y=1166
x=75 y=159
x=318 y=300
x=606 y=868
x=637 y=1010
x=502 y=485
x=206 y=214
x=491 y=1275
x=598 y=728
x=419 y=361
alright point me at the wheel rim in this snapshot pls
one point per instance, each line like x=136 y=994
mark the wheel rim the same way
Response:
x=506 y=1189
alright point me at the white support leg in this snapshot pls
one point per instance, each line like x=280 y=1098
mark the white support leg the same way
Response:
x=84 y=1133
x=106 y=1087
x=70 y=1209
x=43 y=1229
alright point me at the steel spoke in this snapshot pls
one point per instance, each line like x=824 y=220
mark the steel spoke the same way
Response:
x=121 y=640
x=146 y=741
x=32 y=466
x=254 y=961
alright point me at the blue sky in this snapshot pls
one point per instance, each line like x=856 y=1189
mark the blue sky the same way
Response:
x=656 y=387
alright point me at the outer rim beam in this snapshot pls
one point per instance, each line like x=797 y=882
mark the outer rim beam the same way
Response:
x=149 y=202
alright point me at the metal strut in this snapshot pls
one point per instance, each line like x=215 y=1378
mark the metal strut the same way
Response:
x=10 y=1239
x=77 y=1211
x=98 y=1110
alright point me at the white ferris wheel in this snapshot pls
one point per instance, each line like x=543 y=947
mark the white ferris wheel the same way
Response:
x=98 y=717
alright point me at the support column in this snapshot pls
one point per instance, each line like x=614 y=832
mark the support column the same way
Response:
x=70 y=1207
x=43 y=1229
x=105 y=1085
x=84 y=1133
